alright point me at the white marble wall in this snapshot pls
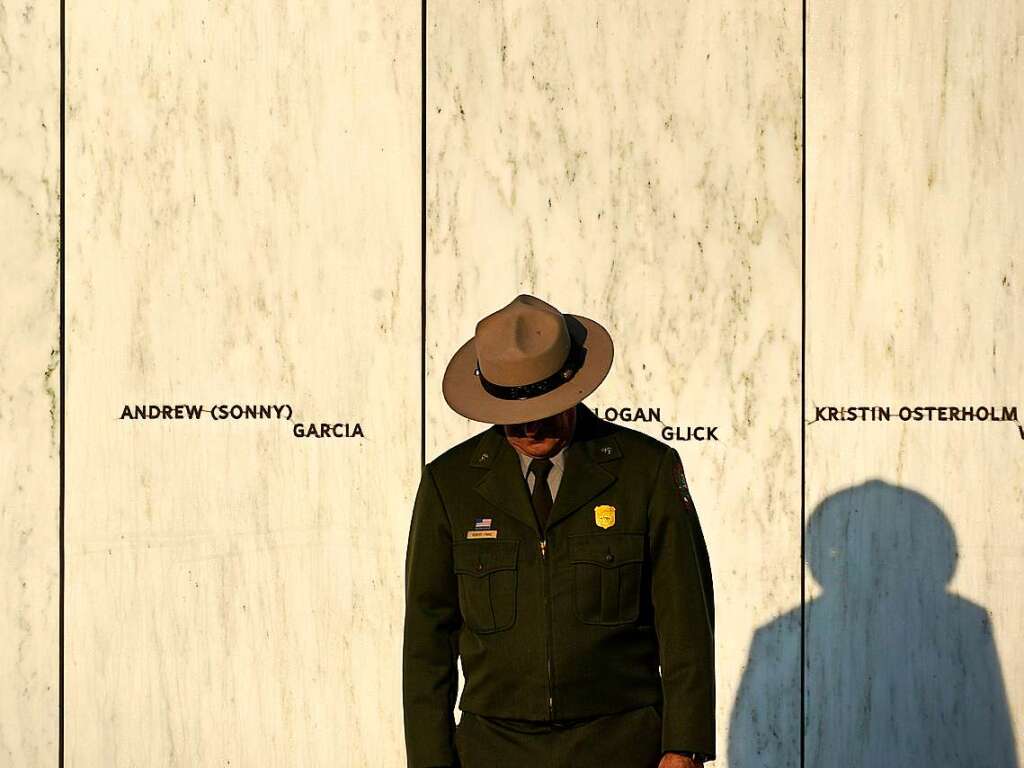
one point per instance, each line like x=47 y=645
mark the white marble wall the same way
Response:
x=243 y=227
x=637 y=164
x=915 y=190
x=29 y=382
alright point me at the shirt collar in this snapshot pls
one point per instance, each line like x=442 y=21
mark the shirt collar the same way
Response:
x=558 y=460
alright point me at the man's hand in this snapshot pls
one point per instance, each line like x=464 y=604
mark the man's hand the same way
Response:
x=675 y=760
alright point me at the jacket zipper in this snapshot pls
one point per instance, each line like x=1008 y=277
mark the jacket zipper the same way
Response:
x=547 y=608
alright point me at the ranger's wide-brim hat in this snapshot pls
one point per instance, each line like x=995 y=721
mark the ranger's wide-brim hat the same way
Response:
x=526 y=361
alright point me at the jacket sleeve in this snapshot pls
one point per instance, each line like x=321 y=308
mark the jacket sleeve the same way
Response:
x=430 y=642
x=684 y=613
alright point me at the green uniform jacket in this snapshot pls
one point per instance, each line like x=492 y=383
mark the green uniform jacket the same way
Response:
x=570 y=622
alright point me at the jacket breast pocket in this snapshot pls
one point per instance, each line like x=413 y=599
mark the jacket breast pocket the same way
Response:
x=488 y=575
x=607 y=572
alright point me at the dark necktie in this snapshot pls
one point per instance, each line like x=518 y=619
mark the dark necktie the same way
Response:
x=541 y=496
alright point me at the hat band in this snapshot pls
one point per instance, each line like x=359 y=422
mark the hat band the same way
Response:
x=573 y=362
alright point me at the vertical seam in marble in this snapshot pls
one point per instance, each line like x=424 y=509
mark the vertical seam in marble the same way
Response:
x=61 y=256
x=803 y=364
x=423 y=232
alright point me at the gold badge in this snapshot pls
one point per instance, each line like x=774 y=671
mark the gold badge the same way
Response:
x=604 y=515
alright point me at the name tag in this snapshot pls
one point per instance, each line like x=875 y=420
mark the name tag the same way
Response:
x=481 y=534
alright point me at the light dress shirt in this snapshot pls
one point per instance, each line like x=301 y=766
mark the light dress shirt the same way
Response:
x=554 y=476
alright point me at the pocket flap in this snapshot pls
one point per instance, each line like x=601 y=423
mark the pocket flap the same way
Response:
x=609 y=550
x=483 y=556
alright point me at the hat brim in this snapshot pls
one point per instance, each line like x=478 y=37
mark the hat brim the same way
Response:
x=465 y=394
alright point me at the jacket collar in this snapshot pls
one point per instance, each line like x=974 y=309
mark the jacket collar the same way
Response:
x=587 y=470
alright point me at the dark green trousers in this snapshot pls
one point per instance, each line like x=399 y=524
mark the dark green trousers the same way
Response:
x=625 y=740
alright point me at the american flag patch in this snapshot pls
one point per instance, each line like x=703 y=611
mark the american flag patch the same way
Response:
x=482 y=523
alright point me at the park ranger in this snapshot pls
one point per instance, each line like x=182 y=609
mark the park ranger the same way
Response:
x=560 y=557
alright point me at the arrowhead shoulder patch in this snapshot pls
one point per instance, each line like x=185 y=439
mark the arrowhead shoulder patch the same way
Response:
x=679 y=479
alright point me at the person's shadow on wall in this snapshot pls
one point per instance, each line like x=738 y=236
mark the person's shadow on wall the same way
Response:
x=898 y=670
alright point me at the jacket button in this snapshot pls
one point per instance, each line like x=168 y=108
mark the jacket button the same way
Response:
x=479 y=566
x=609 y=557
